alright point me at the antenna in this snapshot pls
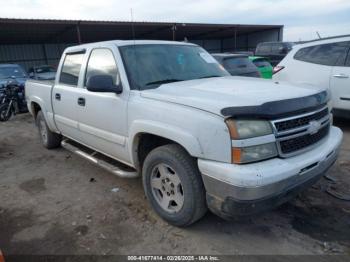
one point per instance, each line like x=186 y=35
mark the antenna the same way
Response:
x=319 y=37
x=133 y=37
x=132 y=24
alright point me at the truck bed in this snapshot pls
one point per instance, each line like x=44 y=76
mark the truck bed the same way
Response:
x=39 y=92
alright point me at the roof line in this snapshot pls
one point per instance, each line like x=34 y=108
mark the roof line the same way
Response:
x=74 y=21
x=325 y=38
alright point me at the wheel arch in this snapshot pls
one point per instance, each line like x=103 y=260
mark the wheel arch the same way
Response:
x=149 y=135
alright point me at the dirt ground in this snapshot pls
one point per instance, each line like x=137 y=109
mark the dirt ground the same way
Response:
x=53 y=202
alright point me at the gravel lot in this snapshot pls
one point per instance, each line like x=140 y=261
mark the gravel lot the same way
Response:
x=53 y=202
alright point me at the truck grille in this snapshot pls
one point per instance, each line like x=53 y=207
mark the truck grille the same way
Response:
x=302 y=121
x=298 y=143
x=297 y=134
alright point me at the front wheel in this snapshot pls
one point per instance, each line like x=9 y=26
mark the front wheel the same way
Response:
x=173 y=185
x=5 y=112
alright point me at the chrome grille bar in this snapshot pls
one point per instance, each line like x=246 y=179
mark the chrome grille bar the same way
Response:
x=306 y=125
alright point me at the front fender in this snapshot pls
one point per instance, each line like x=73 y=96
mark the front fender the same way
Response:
x=175 y=133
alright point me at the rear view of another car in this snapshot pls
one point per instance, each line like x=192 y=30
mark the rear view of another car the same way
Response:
x=263 y=66
x=323 y=64
x=274 y=51
x=13 y=73
x=238 y=65
x=43 y=72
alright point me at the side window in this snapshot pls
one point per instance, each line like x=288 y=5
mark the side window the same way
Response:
x=264 y=48
x=71 y=69
x=347 y=62
x=276 y=49
x=102 y=62
x=326 y=54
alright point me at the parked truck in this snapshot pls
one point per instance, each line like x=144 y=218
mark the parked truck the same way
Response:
x=198 y=137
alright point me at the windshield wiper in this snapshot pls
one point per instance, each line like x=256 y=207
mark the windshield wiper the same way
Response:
x=164 y=81
x=210 y=76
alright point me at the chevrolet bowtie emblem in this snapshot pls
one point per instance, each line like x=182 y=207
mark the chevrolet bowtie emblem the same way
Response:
x=314 y=126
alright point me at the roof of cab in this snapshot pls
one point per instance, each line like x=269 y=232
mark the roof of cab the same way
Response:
x=125 y=43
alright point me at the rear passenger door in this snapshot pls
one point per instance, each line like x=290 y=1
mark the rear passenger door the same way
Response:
x=65 y=95
x=340 y=81
x=318 y=62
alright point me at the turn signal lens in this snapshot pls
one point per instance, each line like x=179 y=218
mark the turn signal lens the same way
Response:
x=236 y=155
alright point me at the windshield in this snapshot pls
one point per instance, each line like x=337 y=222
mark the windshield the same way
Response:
x=149 y=66
x=44 y=69
x=11 y=72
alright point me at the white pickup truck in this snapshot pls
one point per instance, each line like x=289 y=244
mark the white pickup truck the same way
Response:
x=167 y=111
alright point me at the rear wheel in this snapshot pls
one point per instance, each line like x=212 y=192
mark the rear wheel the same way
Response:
x=5 y=113
x=48 y=139
x=173 y=185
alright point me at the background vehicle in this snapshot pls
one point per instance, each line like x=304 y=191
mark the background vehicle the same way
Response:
x=274 y=51
x=247 y=53
x=263 y=65
x=323 y=63
x=237 y=64
x=12 y=71
x=198 y=137
x=11 y=102
x=43 y=72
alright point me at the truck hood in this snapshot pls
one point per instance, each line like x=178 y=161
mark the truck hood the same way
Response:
x=215 y=94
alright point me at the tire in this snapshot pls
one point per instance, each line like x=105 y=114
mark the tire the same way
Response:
x=48 y=139
x=182 y=203
x=3 y=109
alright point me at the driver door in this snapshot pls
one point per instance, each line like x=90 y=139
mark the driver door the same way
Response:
x=103 y=116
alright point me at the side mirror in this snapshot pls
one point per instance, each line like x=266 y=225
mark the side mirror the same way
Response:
x=103 y=83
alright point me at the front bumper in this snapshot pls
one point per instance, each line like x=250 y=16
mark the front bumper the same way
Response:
x=235 y=190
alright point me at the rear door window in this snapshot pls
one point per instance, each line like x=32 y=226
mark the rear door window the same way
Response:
x=325 y=54
x=71 y=69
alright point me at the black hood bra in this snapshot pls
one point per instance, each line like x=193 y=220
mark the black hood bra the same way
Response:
x=279 y=109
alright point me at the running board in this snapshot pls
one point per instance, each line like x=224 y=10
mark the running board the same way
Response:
x=107 y=163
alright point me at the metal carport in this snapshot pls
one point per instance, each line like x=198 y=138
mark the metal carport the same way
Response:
x=41 y=41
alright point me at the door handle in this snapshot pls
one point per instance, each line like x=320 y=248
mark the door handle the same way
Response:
x=81 y=101
x=341 y=76
x=58 y=96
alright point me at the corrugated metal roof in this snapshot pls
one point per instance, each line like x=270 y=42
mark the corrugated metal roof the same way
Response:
x=31 y=31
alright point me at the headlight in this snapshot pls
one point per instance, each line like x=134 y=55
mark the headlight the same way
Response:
x=245 y=129
x=242 y=129
x=241 y=155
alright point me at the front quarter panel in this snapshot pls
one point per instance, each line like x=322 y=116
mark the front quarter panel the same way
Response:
x=203 y=134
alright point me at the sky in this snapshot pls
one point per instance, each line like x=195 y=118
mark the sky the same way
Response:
x=302 y=19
